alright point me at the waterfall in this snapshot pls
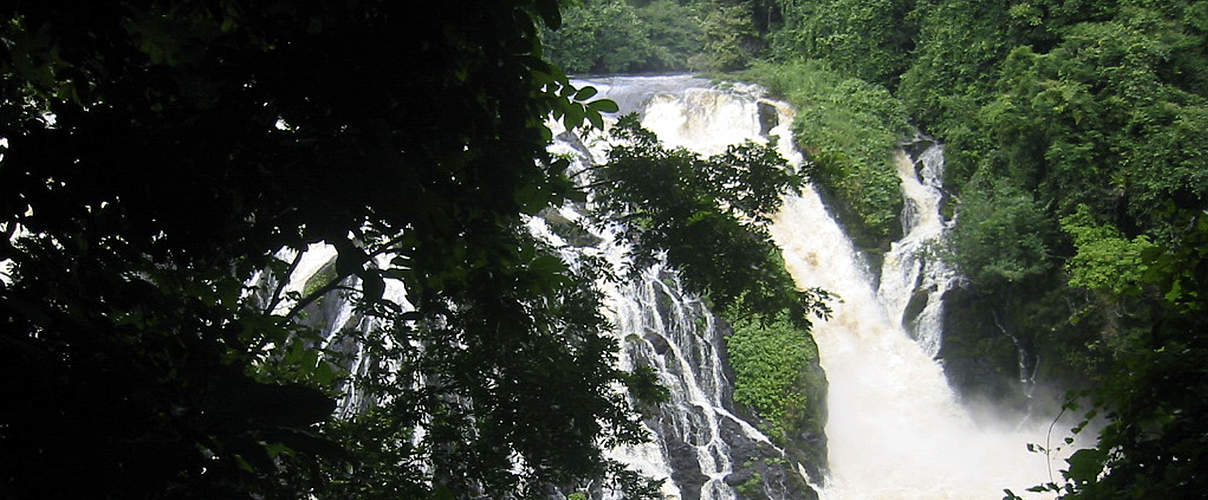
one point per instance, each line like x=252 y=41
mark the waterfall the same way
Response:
x=912 y=280
x=701 y=446
x=678 y=337
x=332 y=313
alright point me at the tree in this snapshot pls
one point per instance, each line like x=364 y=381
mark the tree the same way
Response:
x=868 y=39
x=618 y=36
x=1152 y=399
x=157 y=156
x=707 y=217
x=160 y=153
x=602 y=37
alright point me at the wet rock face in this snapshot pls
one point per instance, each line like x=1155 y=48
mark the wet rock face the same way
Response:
x=979 y=358
x=761 y=471
x=769 y=118
x=918 y=302
x=682 y=457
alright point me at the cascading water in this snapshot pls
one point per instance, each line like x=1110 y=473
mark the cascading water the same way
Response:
x=331 y=314
x=701 y=447
x=911 y=283
x=678 y=337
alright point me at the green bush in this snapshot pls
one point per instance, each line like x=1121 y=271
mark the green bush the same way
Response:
x=1003 y=237
x=614 y=36
x=863 y=38
x=774 y=364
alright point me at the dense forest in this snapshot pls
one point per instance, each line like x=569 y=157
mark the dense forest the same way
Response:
x=164 y=164
x=1077 y=171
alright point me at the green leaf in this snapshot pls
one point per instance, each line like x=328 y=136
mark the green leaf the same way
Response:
x=596 y=120
x=574 y=116
x=585 y=93
x=274 y=449
x=243 y=464
x=325 y=373
x=531 y=199
x=1085 y=464
x=604 y=106
x=548 y=265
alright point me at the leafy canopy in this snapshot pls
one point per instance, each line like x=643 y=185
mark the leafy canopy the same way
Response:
x=158 y=157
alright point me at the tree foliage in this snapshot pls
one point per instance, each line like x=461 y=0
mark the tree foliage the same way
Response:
x=603 y=37
x=165 y=163
x=731 y=37
x=1154 y=440
x=865 y=39
x=1105 y=259
x=708 y=215
x=1005 y=242
x=772 y=366
x=631 y=36
x=157 y=157
x=1076 y=160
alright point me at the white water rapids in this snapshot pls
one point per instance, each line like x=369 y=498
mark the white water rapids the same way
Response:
x=895 y=428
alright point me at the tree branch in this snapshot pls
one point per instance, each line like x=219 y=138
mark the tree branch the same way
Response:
x=276 y=298
x=586 y=169
x=595 y=184
x=335 y=282
x=307 y=300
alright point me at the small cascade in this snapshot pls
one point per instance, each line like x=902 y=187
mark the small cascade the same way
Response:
x=913 y=281
x=678 y=337
x=1028 y=365
x=333 y=313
